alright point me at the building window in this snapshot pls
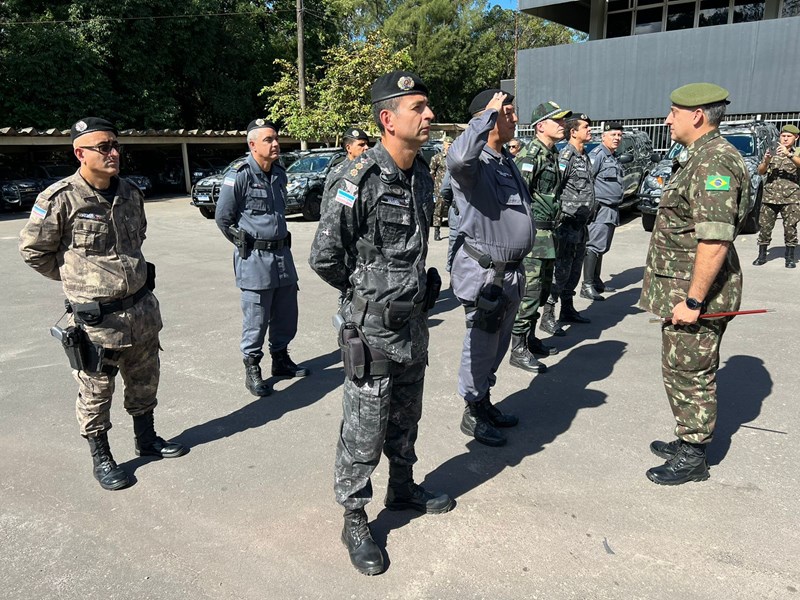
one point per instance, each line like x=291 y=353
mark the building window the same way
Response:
x=619 y=24
x=713 y=12
x=745 y=11
x=649 y=20
x=680 y=16
x=791 y=8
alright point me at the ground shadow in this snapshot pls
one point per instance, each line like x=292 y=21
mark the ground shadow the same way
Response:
x=626 y=278
x=774 y=253
x=447 y=301
x=743 y=384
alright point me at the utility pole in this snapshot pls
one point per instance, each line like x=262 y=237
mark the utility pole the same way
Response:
x=301 y=64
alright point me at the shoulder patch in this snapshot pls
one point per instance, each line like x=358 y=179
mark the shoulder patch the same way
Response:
x=347 y=194
x=38 y=212
x=526 y=167
x=718 y=183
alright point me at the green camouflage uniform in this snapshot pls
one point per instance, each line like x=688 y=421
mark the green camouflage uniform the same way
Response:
x=781 y=197
x=706 y=199
x=438 y=169
x=95 y=249
x=539 y=167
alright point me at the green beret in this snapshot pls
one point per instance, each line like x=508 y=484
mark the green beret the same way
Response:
x=790 y=129
x=698 y=94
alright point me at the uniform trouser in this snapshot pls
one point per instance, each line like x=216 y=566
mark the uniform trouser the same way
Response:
x=601 y=230
x=790 y=213
x=570 y=242
x=139 y=367
x=274 y=309
x=440 y=211
x=453 y=218
x=538 y=281
x=483 y=352
x=689 y=363
x=378 y=413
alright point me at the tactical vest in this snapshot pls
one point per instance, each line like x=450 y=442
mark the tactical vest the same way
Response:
x=577 y=192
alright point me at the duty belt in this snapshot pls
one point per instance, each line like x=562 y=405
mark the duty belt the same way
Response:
x=107 y=308
x=546 y=225
x=272 y=245
x=487 y=262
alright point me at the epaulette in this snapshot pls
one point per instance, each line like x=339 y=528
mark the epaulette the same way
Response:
x=54 y=188
x=239 y=164
x=567 y=152
x=355 y=171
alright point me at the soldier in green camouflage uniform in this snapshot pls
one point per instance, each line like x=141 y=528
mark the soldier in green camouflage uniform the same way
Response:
x=87 y=232
x=692 y=268
x=538 y=163
x=781 y=195
x=438 y=169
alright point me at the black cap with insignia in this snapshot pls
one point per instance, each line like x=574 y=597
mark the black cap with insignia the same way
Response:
x=89 y=125
x=613 y=126
x=579 y=117
x=483 y=98
x=396 y=84
x=354 y=133
x=261 y=124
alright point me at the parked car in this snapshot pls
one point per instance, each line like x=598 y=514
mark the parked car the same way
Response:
x=143 y=182
x=429 y=150
x=752 y=139
x=635 y=152
x=206 y=191
x=48 y=174
x=307 y=181
x=17 y=192
x=205 y=167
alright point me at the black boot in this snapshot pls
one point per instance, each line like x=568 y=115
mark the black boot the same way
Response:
x=761 y=259
x=402 y=493
x=598 y=283
x=688 y=464
x=364 y=552
x=790 y=264
x=476 y=423
x=147 y=442
x=496 y=417
x=106 y=471
x=252 y=377
x=665 y=449
x=569 y=314
x=587 y=287
x=437 y=234
x=549 y=323
x=535 y=346
x=522 y=358
x=282 y=366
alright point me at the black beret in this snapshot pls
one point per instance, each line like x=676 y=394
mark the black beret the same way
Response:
x=90 y=124
x=396 y=84
x=579 y=117
x=480 y=101
x=354 y=133
x=260 y=124
x=613 y=126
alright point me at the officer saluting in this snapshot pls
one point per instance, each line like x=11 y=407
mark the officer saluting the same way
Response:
x=250 y=213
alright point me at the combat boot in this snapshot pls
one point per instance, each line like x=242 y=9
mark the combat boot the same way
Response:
x=106 y=471
x=496 y=417
x=549 y=323
x=587 y=287
x=475 y=423
x=761 y=259
x=437 y=234
x=364 y=552
x=569 y=314
x=537 y=347
x=688 y=464
x=598 y=283
x=282 y=366
x=665 y=450
x=790 y=263
x=402 y=493
x=148 y=443
x=522 y=358
x=252 y=377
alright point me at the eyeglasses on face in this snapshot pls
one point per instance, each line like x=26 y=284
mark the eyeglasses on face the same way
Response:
x=513 y=146
x=104 y=147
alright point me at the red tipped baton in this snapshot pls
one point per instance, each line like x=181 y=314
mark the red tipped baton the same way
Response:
x=719 y=315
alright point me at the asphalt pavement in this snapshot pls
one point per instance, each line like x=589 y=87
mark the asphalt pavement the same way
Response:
x=564 y=511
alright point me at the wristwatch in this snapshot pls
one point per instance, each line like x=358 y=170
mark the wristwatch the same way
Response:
x=694 y=304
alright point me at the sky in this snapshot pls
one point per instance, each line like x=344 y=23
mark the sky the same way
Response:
x=505 y=3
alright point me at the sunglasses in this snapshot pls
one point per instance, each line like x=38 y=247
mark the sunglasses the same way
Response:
x=104 y=147
x=514 y=146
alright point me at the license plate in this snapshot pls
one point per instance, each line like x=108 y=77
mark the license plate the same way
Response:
x=202 y=197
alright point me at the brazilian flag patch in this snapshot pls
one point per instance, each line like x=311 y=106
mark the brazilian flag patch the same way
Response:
x=718 y=183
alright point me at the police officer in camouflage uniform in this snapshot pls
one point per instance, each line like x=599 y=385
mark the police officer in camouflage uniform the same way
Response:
x=250 y=214
x=371 y=245
x=495 y=233
x=538 y=162
x=355 y=142
x=692 y=269
x=781 y=195
x=608 y=190
x=577 y=207
x=438 y=169
x=87 y=232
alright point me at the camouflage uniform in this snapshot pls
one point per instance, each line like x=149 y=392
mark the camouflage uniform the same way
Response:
x=371 y=245
x=706 y=199
x=438 y=169
x=539 y=167
x=95 y=249
x=577 y=207
x=781 y=196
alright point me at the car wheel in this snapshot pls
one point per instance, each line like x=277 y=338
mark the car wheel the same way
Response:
x=207 y=212
x=751 y=220
x=648 y=221
x=311 y=207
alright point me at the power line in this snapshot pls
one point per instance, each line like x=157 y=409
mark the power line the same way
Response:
x=151 y=17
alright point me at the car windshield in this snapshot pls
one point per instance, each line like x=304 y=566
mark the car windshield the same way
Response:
x=310 y=164
x=743 y=142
